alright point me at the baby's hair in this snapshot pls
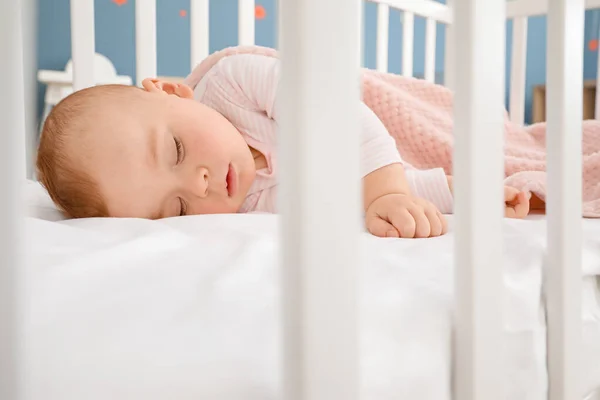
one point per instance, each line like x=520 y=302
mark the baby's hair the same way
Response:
x=71 y=189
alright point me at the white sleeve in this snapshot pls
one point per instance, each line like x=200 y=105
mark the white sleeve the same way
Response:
x=377 y=146
x=378 y=149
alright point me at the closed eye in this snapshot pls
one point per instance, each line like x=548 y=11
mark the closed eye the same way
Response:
x=179 y=149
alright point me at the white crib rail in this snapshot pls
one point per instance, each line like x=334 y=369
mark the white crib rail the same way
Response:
x=246 y=22
x=408 y=42
x=383 y=34
x=478 y=174
x=518 y=70
x=82 y=43
x=199 y=31
x=430 y=41
x=530 y=8
x=145 y=40
x=449 y=56
x=520 y=11
x=597 y=108
x=423 y=8
x=563 y=299
x=319 y=90
x=433 y=13
x=12 y=171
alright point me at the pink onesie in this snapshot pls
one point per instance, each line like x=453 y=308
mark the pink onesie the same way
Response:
x=243 y=88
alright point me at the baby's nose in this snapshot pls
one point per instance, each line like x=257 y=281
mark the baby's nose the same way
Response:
x=200 y=184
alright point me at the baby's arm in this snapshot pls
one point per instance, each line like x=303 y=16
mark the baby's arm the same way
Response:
x=251 y=81
x=393 y=209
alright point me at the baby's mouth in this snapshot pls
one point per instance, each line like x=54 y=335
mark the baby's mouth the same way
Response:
x=231 y=181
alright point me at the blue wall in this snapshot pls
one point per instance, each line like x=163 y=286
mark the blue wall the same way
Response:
x=115 y=37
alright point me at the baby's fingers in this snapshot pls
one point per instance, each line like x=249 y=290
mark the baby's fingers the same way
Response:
x=404 y=222
x=437 y=222
x=518 y=207
x=381 y=228
x=510 y=194
x=423 y=221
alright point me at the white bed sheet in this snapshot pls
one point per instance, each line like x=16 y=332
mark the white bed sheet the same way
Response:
x=188 y=309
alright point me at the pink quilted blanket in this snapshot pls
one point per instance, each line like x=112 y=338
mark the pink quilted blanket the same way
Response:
x=419 y=116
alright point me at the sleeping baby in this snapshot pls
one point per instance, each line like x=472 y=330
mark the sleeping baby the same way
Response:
x=170 y=149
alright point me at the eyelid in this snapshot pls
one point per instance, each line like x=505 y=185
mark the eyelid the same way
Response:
x=179 y=149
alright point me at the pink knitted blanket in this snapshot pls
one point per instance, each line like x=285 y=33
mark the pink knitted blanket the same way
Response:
x=419 y=116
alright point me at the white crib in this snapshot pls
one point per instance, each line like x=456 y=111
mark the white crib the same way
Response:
x=319 y=273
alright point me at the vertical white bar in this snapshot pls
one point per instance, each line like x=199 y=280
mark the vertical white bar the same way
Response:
x=319 y=105
x=408 y=42
x=449 y=50
x=145 y=40
x=12 y=150
x=82 y=43
x=518 y=70
x=479 y=208
x=597 y=105
x=565 y=111
x=383 y=34
x=30 y=30
x=430 y=42
x=246 y=22
x=199 y=30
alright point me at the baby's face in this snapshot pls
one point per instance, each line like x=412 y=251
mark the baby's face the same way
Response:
x=170 y=156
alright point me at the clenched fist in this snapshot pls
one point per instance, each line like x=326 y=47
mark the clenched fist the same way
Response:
x=404 y=216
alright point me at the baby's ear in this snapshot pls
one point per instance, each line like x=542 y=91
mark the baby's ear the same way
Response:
x=158 y=86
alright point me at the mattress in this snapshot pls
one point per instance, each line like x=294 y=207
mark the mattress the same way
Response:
x=188 y=308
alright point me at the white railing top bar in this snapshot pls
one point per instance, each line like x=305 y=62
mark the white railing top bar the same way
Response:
x=531 y=8
x=423 y=8
x=443 y=13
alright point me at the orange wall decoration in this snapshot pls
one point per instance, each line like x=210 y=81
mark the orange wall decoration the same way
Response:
x=260 y=12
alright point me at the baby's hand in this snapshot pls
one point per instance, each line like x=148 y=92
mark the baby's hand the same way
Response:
x=517 y=203
x=405 y=216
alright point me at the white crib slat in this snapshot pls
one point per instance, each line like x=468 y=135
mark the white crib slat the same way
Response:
x=246 y=22
x=30 y=69
x=383 y=34
x=533 y=8
x=145 y=40
x=518 y=71
x=319 y=99
x=478 y=176
x=449 y=52
x=423 y=8
x=408 y=42
x=12 y=149
x=199 y=30
x=597 y=105
x=565 y=107
x=430 y=41
x=82 y=43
